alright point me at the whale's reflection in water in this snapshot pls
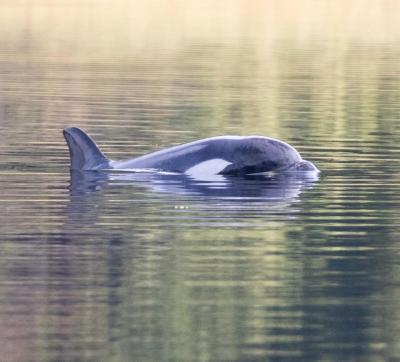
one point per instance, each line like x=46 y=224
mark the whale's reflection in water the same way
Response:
x=261 y=187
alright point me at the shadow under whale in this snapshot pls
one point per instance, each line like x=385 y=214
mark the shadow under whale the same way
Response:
x=245 y=188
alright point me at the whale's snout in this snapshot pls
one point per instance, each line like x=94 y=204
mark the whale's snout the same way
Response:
x=304 y=166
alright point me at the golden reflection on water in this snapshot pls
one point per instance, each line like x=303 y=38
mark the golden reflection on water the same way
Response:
x=244 y=66
x=119 y=28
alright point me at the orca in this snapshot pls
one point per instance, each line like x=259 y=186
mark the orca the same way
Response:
x=223 y=155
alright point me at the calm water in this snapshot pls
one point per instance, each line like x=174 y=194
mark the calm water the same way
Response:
x=139 y=267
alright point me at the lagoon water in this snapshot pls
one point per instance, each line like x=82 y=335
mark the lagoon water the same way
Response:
x=139 y=267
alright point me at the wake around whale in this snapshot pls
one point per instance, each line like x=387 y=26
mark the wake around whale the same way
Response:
x=223 y=155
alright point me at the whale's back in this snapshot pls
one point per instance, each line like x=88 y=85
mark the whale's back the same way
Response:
x=223 y=154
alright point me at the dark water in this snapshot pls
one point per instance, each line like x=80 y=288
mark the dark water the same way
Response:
x=139 y=267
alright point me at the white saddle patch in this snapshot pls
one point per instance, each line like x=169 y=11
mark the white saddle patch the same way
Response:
x=209 y=167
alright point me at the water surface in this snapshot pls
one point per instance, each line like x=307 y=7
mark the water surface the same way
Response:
x=139 y=267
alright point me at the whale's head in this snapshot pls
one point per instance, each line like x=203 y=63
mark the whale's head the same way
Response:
x=256 y=155
x=284 y=158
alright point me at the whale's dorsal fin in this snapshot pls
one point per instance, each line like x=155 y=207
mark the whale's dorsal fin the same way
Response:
x=83 y=151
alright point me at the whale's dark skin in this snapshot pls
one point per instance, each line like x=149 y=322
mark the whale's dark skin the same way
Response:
x=224 y=155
